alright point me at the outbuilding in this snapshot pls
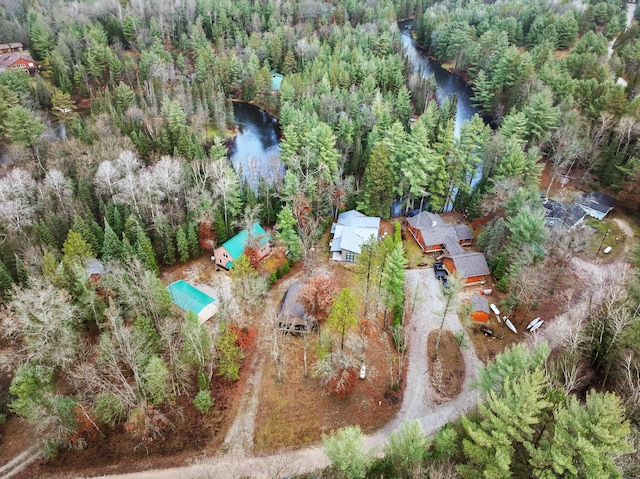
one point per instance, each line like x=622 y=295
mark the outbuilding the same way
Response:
x=471 y=267
x=191 y=299
x=479 y=308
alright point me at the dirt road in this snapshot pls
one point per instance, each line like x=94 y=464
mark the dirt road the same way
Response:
x=419 y=402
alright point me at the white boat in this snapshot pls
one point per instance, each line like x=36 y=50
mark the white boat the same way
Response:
x=495 y=309
x=510 y=325
x=533 y=323
x=536 y=326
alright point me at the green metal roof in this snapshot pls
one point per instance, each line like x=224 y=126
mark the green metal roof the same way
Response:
x=189 y=298
x=235 y=246
x=276 y=80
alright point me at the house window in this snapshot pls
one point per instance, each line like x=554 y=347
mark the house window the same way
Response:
x=350 y=257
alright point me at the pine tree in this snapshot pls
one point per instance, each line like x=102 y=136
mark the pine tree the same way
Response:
x=76 y=248
x=21 y=272
x=112 y=248
x=192 y=239
x=378 y=184
x=483 y=93
x=183 y=245
x=81 y=227
x=168 y=241
x=393 y=281
x=287 y=233
x=542 y=116
x=6 y=281
x=505 y=431
x=44 y=235
x=144 y=251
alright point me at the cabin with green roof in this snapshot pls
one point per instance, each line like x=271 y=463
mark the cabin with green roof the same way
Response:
x=191 y=299
x=232 y=249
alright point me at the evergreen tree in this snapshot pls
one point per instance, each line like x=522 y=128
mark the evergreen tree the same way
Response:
x=81 y=227
x=393 y=281
x=542 y=116
x=21 y=272
x=112 y=248
x=144 y=251
x=344 y=448
x=377 y=184
x=192 y=239
x=287 y=234
x=6 y=281
x=76 y=248
x=183 y=245
x=506 y=429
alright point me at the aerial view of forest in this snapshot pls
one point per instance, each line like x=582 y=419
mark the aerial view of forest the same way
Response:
x=320 y=239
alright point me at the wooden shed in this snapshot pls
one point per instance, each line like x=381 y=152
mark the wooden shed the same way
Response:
x=479 y=308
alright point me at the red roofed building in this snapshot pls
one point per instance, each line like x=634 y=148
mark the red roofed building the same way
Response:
x=17 y=60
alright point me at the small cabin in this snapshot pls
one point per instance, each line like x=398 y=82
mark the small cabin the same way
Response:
x=471 y=267
x=479 y=308
x=233 y=248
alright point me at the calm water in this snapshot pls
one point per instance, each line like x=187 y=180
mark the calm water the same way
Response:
x=447 y=83
x=254 y=152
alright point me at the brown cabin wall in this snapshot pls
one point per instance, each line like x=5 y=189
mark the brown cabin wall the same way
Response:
x=221 y=259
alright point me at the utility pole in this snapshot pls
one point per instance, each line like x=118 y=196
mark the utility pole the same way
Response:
x=602 y=242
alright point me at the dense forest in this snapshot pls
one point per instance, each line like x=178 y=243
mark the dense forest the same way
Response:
x=117 y=150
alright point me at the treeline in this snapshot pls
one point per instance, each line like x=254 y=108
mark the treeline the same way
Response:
x=525 y=425
x=142 y=177
x=518 y=53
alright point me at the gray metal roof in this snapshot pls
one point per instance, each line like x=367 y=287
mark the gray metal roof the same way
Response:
x=356 y=219
x=352 y=230
x=479 y=303
x=470 y=264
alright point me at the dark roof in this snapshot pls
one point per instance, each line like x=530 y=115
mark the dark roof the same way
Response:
x=463 y=232
x=424 y=219
x=479 y=303
x=598 y=201
x=290 y=305
x=470 y=264
x=568 y=215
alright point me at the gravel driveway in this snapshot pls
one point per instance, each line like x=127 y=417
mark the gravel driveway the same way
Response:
x=419 y=401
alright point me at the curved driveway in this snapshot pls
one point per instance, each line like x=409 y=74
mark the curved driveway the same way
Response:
x=419 y=401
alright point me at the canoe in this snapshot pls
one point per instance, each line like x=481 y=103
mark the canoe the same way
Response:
x=533 y=323
x=494 y=308
x=536 y=326
x=510 y=325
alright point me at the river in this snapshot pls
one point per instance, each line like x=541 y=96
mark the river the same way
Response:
x=255 y=150
x=447 y=84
